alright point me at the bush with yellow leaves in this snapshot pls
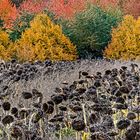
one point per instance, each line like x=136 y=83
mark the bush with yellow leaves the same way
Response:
x=125 y=42
x=44 y=40
x=6 y=46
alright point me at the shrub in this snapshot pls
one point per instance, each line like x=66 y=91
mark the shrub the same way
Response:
x=6 y=47
x=20 y=25
x=90 y=31
x=44 y=40
x=8 y=13
x=125 y=43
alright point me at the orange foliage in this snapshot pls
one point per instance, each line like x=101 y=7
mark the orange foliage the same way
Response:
x=125 y=42
x=8 y=13
x=33 y=6
x=44 y=40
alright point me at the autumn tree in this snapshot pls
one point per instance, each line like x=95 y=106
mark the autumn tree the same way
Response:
x=33 y=6
x=44 y=40
x=125 y=43
x=8 y=13
x=6 y=46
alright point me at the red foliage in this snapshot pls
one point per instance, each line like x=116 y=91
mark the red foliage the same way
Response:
x=132 y=7
x=8 y=13
x=66 y=8
x=33 y=6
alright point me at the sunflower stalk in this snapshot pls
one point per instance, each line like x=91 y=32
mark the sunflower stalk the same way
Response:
x=84 y=114
x=41 y=130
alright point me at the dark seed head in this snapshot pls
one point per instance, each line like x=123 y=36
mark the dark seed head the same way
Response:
x=7 y=119
x=92 y=129
x=6 y=106
x=73 y=116
x=131 y=116
x=23 y=113
x=107 y=72
x=124 y=89
x=19 y=72
x=84 y=73
x=78 y=125
x=81 y=90
x=45 y=107
x=93 y=118
x=75 y=108
x=138 y=99
x=112 y=98
x=98 y=73
x=16 y=78
x=120 y=83
x=36 y=93
x=63 y=108
x=36 y=105
x=103 y=96
x=81 y=81
x=50 y=109
x=120 y=100
x=130 y=134
x=123 y=67
x=58 y=90
x=13 y=61
x=123 y=124
x=120 y=106
x=50 y=102
x=57 y=99
x=26 y=95
x=118 y=93
x=112 y=133
x=97 y=84
x=14 y=110
x=136 y=126
x=16 y=132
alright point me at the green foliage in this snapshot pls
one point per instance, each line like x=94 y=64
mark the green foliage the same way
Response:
x=91 y=29
x=20 y=25
x=1 y=23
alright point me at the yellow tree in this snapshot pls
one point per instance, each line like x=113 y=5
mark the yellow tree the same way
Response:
x=6 y=46
x=44 y=40
x=125 y=42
